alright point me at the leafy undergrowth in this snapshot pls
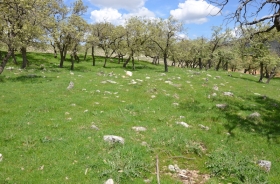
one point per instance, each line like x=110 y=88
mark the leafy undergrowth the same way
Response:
x=47 y=135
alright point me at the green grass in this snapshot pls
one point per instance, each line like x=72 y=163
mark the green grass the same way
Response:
x=46 y=134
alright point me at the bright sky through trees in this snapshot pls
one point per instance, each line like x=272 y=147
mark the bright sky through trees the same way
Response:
x=198 y=15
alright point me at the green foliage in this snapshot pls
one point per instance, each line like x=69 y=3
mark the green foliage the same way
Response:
x=47 y=135
x=234 y=167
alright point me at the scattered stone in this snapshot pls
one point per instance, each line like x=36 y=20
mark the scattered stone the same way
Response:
x=218 y=77
x=113 y=139
x=265 y=164
x=10 y=68
x=254 y=115
x=128 y=73
x=73 y=105
x=71 y=85
x=109 y=181
x=147 y=181
x=228 y=93
x=171 y=168
x=204 y=127
x=221 y=106
x=85 y=110
x=94 y=127
x=112 y=82
x=148 y=77
x=162 y=74
x=216 y=88
x=144 y=143
x=139 y=129
x=182 y=117
x=257 y=94
x=214 y=94
x=168 y=82
x=175 y=104
x=183 y=124
x=133 y=82
x=153 y=96
x=1 y=157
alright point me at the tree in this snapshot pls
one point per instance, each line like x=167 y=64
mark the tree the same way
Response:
x=107 y=35
x=137 y=33
x=163 y=34
x=247 y=11
x=20 y=24
x=59 y=27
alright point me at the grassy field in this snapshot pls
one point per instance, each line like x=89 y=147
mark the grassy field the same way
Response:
x=47 y=133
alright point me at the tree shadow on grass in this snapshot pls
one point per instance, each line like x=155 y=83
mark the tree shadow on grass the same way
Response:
x=267 y=124
x=32 y=78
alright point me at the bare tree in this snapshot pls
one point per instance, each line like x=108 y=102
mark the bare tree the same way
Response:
x=248 y=11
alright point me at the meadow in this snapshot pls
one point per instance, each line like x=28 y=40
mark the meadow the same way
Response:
x=51 y=134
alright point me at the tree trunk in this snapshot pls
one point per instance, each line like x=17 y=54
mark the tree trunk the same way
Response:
x=85 y=56
x=133 y=65
x=165 y=62
x=261 y=72
x=126 y=62
x=5 y=60
x=61 y=59
x=14 y=57
x=24 y=57
x=218 y=65
x=106 y=57
x=54 y=50
x=272 y=74
x=72 y=62
x=200 y=63
x=92 y=55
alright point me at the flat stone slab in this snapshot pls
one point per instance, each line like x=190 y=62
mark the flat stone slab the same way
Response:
x=228 y=93
x=183 y=124
x=109 y=181
x=221 y=106
x=254 y=115
x=139 y=129
x=113 y=139
x=265 y=164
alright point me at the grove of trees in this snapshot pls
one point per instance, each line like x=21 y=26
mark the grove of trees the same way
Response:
x=251 y=46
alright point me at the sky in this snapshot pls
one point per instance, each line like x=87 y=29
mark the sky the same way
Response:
x=198 y=16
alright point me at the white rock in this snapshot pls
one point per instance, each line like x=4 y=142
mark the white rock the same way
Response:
x=254 y=115
x=216 y=88
x=183 y=124
x=265 y=164
x=171 y=168
x=109 y=181
x=113 y=139
x=112 y=82
x=228 y=93
x=221 y=106
x=1 y=157
x=94 y=127
x=214 y=94
x=128 y=73
x=71 y=85
x=139 y=129
x=204 y=127
x=168 y=82
x=177 y=169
